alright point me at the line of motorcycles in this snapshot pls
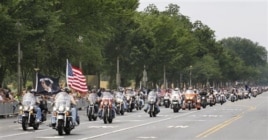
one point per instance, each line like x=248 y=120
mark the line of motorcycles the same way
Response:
x=193 y=99
x=118 y=103
x=111 y=104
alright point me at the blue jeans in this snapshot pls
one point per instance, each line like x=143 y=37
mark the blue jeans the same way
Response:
x=38 y=113
x=74 y=114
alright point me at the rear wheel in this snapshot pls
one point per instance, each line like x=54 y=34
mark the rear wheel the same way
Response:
x=36 y=126
x=175 y=109
x=110 y=119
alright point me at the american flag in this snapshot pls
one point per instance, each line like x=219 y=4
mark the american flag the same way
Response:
x=75 y=79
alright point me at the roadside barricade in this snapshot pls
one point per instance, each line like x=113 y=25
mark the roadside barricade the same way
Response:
x=8 y=108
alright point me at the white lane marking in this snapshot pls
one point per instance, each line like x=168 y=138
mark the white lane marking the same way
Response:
x=191 y=120
x=181 y=126
x=127 y=128
x=127 y=120
x=151 y=137
x=178 y=126
x=102 y=126
x=11 y=135
x=54 y=137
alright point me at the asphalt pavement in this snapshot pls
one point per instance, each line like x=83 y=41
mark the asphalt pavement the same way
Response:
x=242 y=120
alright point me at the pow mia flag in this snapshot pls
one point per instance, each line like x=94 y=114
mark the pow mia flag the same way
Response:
x=47 y=84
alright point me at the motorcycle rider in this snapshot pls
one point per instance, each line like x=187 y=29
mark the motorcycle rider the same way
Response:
x=43 y=107
x=157 y=102
x=73 y=109
x=96 y=105
x=100 y=93
x=37 y=109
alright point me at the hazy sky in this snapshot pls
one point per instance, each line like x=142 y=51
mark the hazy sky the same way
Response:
x=228 y=18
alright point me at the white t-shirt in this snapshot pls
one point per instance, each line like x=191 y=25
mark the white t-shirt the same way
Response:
x=1 y=98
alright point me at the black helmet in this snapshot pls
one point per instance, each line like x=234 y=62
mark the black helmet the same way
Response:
x=66 y=89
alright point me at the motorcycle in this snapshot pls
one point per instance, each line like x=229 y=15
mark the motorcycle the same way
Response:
x=27 y=113
x=92 y=109
x=233 y=97
x=62 y=113
x=254 y=92
x=130 y=101
x=166 y=100
x=152 y=110
x=222 y=98
x=107 y=110
x=119 y=103
x=175 y=101
x=246 y=94
x=191 y=100
x=138 y=103
x=211 y=100
x=203 y=96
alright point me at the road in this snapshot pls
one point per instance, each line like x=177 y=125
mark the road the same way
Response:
x=242 y=120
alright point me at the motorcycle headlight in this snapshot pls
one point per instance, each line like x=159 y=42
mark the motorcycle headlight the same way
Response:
x=26 y=108
x=61 y=108
x=20 y=108
x=54 y=108
x=118 y=100
x=67 y=108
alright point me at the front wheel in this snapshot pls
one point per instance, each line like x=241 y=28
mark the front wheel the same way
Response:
x=60 y=127
x=24 y=123
x=105 y=116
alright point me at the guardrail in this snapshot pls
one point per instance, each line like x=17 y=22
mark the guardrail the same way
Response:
x=8 y=108
x=12 y=108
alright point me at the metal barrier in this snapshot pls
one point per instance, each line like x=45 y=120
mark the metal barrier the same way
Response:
x=9 y=108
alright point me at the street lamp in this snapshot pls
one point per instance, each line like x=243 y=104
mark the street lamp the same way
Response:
x=36 y=69
x=144 y=78
x=191 y=76
x=18 y=25
x=117 y=73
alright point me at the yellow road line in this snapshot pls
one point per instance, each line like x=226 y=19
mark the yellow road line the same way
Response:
x=226 y=123
x=218 y=127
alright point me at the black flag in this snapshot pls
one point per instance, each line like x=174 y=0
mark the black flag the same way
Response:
x=47 y=84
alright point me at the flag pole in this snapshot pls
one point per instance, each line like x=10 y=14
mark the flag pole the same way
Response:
x=36 y=80
x=66 y=75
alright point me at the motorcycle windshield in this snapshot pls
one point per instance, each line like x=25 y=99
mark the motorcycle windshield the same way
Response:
x=28 y=99
x=130 y=93
x=152 y=96
x=189 y=92
x=92 y=97
x=175 y=95
x=107 y=95
x=62 y=99
x=119 y=95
